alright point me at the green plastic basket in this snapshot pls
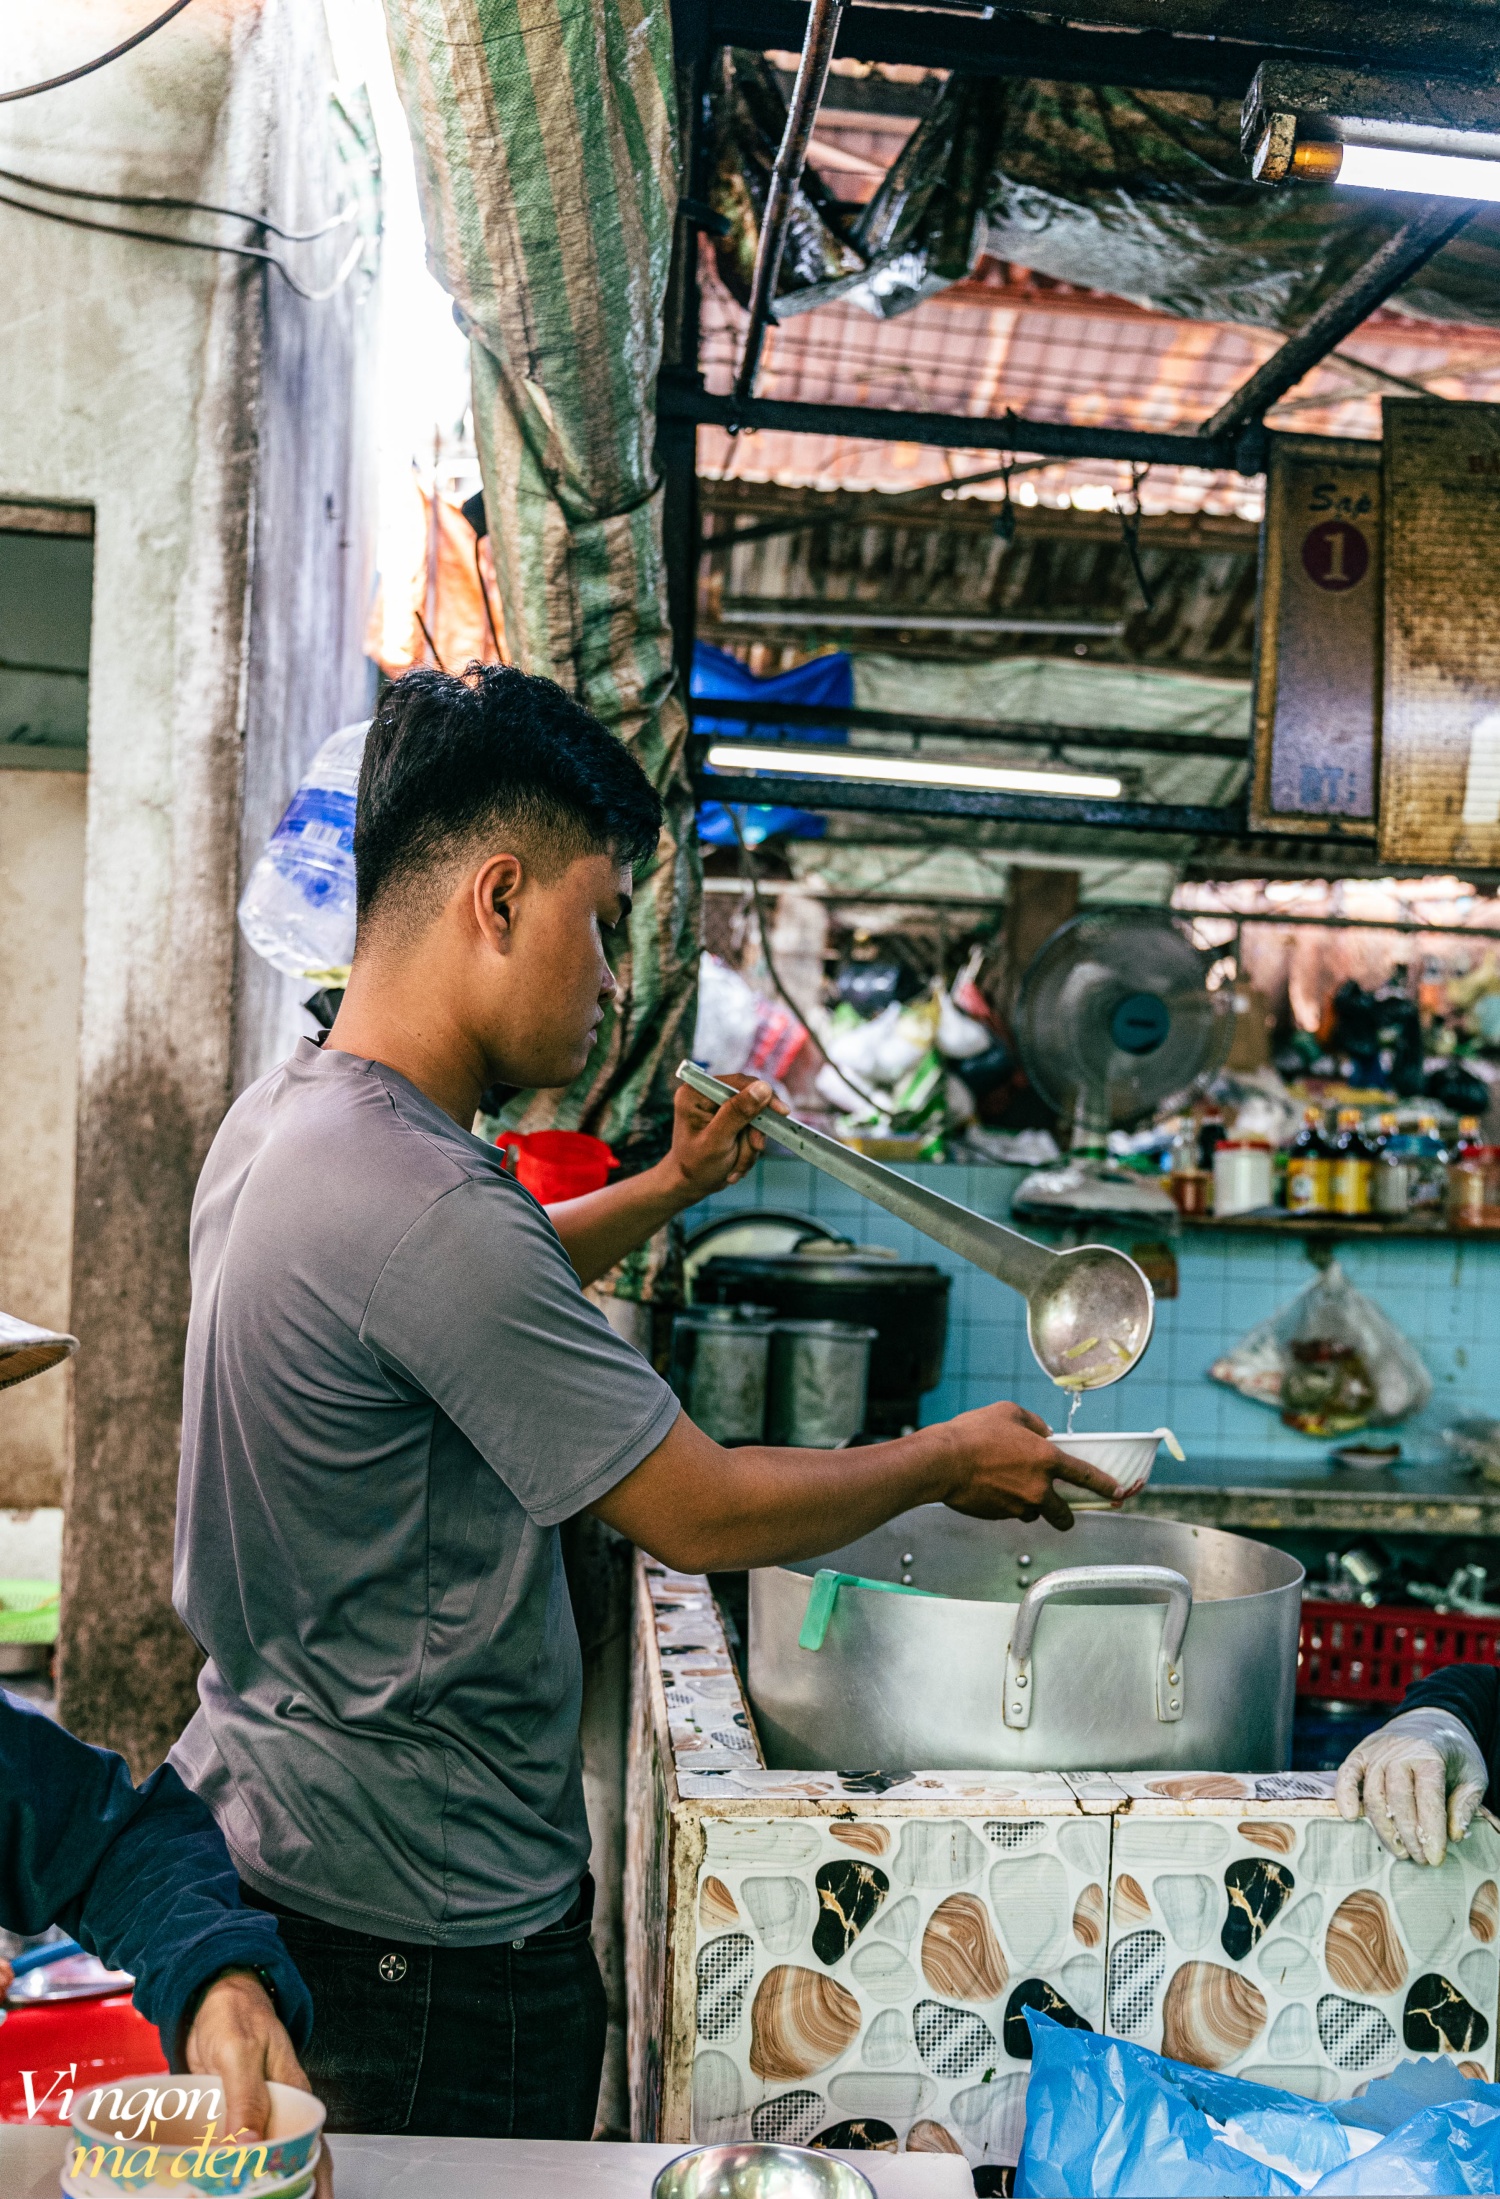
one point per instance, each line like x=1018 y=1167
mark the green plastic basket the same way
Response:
x=28 y=1611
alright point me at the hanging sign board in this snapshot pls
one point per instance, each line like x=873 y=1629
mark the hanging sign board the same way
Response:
x=1440 y=746
x=1317 y=678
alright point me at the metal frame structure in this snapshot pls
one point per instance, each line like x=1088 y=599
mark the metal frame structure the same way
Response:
x=1197 y=45
x=1020 y=733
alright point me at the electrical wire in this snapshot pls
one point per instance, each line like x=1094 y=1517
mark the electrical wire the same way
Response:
x=184 y=206
x=747 y=869
x=87 y=68
x=195 y=244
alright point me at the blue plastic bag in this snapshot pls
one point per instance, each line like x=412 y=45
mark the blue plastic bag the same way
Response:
x=1454 y=2147
x=1104 y=2117
x=1107 y=2120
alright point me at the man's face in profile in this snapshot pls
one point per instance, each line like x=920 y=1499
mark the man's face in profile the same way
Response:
x=553 y=975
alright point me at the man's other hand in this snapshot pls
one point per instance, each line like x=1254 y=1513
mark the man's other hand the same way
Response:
x=714 y=1146
x=238 y=2037
x=1006 y=1465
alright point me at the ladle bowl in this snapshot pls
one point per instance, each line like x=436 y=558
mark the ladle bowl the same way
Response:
x=1089 y=1311
x=1090 y=1317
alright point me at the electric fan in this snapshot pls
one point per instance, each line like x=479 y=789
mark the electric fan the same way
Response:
x=1115 y=1025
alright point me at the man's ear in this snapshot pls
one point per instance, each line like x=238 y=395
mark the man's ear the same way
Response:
x=495 y=887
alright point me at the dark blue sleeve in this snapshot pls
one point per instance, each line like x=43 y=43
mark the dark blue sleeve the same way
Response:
x=1472 y=1694
x=139 y=1876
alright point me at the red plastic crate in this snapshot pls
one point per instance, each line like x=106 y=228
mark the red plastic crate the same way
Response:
x=1352 y=1653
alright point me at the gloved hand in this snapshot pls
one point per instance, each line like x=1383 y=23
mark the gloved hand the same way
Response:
x=1418 y=1780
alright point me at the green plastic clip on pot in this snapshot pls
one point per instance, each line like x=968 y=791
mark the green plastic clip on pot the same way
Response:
x=825 y=1594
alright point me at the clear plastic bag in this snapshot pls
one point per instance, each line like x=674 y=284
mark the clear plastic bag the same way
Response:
x=1328 y=1362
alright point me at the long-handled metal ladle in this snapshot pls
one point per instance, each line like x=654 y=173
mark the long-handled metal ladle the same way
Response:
x=1089 y=1312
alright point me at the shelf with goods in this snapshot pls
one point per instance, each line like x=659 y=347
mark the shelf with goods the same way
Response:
x=1277 y=1223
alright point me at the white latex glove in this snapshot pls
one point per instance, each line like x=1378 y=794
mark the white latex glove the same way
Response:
x=1418 y=1780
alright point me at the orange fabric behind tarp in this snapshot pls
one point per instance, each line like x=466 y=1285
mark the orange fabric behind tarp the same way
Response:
x=458 y=632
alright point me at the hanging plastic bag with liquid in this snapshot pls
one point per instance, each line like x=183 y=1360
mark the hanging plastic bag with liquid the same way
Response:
x=1328 y=1362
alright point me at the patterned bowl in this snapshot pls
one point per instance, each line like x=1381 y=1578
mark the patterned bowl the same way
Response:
x=144 y=2136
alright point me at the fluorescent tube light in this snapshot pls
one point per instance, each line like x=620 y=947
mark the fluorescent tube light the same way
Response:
x=1441 y=175
x=827 y=763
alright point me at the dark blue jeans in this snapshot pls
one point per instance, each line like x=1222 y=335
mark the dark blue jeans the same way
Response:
x=504 y=2041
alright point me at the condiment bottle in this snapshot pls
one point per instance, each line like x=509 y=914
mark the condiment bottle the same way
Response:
x=1309 y=1168
x=1211 y=1135
x=1390 y=1182
x=1428 y=1160
x=1474 y=1188
x=1353 y=1165
x=1468 y=1139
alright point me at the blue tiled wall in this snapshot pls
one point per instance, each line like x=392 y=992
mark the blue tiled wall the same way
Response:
x=1443 y=1294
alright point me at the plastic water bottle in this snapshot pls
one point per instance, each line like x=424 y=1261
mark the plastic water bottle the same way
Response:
x=298 y=908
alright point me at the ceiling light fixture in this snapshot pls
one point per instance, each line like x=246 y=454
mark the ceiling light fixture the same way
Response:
x=1305 y=123
x=908 y=771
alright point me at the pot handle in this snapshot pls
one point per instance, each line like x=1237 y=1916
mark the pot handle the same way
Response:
x=1020 y=1662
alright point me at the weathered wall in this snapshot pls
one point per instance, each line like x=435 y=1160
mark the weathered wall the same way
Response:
x=306 y=670
x=41 y=963
x=133 y=380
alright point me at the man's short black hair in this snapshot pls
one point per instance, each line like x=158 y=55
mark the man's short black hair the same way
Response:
x=449 y=758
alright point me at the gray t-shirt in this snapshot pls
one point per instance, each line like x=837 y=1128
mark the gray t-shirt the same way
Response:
x=395 y=1390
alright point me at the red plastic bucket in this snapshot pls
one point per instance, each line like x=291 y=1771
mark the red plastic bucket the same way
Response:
x=558 y=1164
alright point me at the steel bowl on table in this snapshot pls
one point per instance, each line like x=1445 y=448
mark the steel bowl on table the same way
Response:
x=759 y=2172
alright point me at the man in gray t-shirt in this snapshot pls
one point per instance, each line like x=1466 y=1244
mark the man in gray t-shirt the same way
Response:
x=396 y=1389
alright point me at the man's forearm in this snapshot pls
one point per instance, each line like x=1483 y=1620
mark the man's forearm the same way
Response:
x=599 y=1229
x=764 y=1505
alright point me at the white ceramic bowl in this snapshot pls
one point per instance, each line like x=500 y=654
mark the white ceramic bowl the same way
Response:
x=1127 y=1459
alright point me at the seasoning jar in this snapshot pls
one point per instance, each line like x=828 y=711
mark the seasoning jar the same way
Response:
x=1309 y=1168
x=1390 y=1180
x=1474 y=1188
x=1353 y=1165
x=1427 y=1159
x=1243 y=1176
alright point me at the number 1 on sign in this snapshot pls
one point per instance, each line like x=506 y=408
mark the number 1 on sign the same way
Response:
x=1335 y=556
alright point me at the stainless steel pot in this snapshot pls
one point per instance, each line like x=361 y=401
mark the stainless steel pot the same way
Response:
x=1125 y=1645
x=720 y=1356
x=815 y=1396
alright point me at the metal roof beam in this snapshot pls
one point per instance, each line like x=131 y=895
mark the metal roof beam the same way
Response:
x=823 y=18
x=1025 y=48
x=796 y=791
x=1397 y=260
x=1425 y=34
x=1211 y=46
x=679 y=398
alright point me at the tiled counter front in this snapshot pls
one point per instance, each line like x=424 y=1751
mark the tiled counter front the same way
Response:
x=848 y=1956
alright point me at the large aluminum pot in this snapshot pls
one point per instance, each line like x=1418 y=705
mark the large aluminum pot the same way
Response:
x=1125 y=1645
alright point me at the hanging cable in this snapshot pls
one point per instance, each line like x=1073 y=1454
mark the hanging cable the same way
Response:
x=87 y=68
x=747 y=870
x=195 y=244
x=182 y=206
x=1003 y=526
x=1130 y=533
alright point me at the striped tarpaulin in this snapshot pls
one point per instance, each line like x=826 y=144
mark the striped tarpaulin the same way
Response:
x=546 y=144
